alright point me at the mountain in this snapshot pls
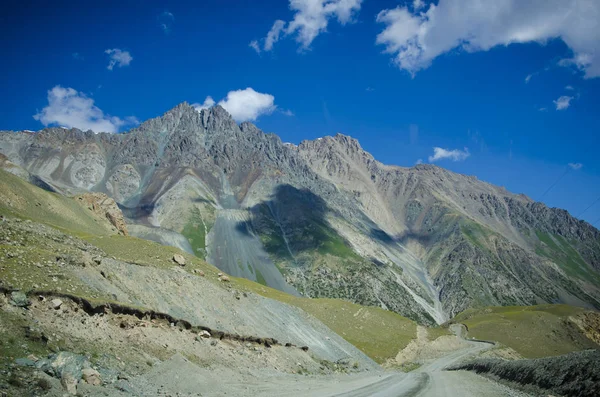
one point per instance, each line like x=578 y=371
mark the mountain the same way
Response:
x=323 y=218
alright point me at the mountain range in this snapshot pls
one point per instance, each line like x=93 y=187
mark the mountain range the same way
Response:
x=323 y=218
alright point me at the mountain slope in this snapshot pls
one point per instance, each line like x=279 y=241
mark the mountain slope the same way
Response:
x=324 y=218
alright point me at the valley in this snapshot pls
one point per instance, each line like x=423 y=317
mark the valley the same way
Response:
x=195 y=256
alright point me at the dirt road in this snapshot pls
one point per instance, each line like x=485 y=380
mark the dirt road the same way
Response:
x=181 y=377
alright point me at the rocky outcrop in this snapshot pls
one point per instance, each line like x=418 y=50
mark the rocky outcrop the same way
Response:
x=104 y=207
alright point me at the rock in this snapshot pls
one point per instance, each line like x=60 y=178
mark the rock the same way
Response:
x=19 y=299
x=179 y=259
x=67 y=367
x=106 y=207
x=125 y=386
x=203 y=334
x=56 y=303
x=91 y=377
x=213 y=342
x=304 y=348
x=69 y=382
x=224 y=278
x=25 y=362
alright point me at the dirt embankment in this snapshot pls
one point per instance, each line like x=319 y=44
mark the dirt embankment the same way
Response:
x=426 y=347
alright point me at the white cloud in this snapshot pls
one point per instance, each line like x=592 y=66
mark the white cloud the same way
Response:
x=286 y=112
x=273 y=35
x=528 y=77
x=118 y=58
x=418 y=4
x=454 y=155
x=563 y=102
x=542 y=109
x=208 y=103
x=165 y=21
x=255 y=46
x=311 y=19
x=243 y=105
x=77 y=56
x=416 y=38
x=72 y=109
x=575 y=166
x=569 y=87
x=419 y=161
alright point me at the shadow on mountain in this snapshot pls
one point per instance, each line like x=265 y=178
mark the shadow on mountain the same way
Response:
x=295 y=215
x=402 y=238
x=137 y=214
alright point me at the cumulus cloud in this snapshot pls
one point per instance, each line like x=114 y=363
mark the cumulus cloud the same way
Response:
x=311 y=19
x=575 y=166
x=243 y=105
x=563 y=102
x=72 y=109
x=118 y=58
x=454 y=155
x=415 y=38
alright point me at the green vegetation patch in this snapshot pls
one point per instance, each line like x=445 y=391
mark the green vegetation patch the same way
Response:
x=475 y=232
x=532 y=331
x=195 y=233
x=378 y=333
x=260 y=278
x=558 y=249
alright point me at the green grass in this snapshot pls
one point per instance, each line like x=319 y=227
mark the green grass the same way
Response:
x=532 y=331
x=194 y=232
x=260 y=278
x=24 y=200
x=378 y=333
x=558 y=249
x=329 y=242
x=475 y=232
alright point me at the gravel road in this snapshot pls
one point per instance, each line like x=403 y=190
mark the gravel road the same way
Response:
x=181 y=377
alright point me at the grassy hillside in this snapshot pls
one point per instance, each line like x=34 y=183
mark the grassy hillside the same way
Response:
x=377 y=332
x=532 y=331
x=24 y=200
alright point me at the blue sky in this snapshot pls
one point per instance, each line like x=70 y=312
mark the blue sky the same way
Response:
x=403 y=77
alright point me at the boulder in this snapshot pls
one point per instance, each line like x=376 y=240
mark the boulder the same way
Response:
x=65 y=366
x=19 y=299
x=224 y=278
x=203 y=335
x=56 y=303
x=179 y=259
x=91 y=376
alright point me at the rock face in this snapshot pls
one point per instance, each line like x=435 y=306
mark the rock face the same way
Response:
x=106 y=207
x=324 y=218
